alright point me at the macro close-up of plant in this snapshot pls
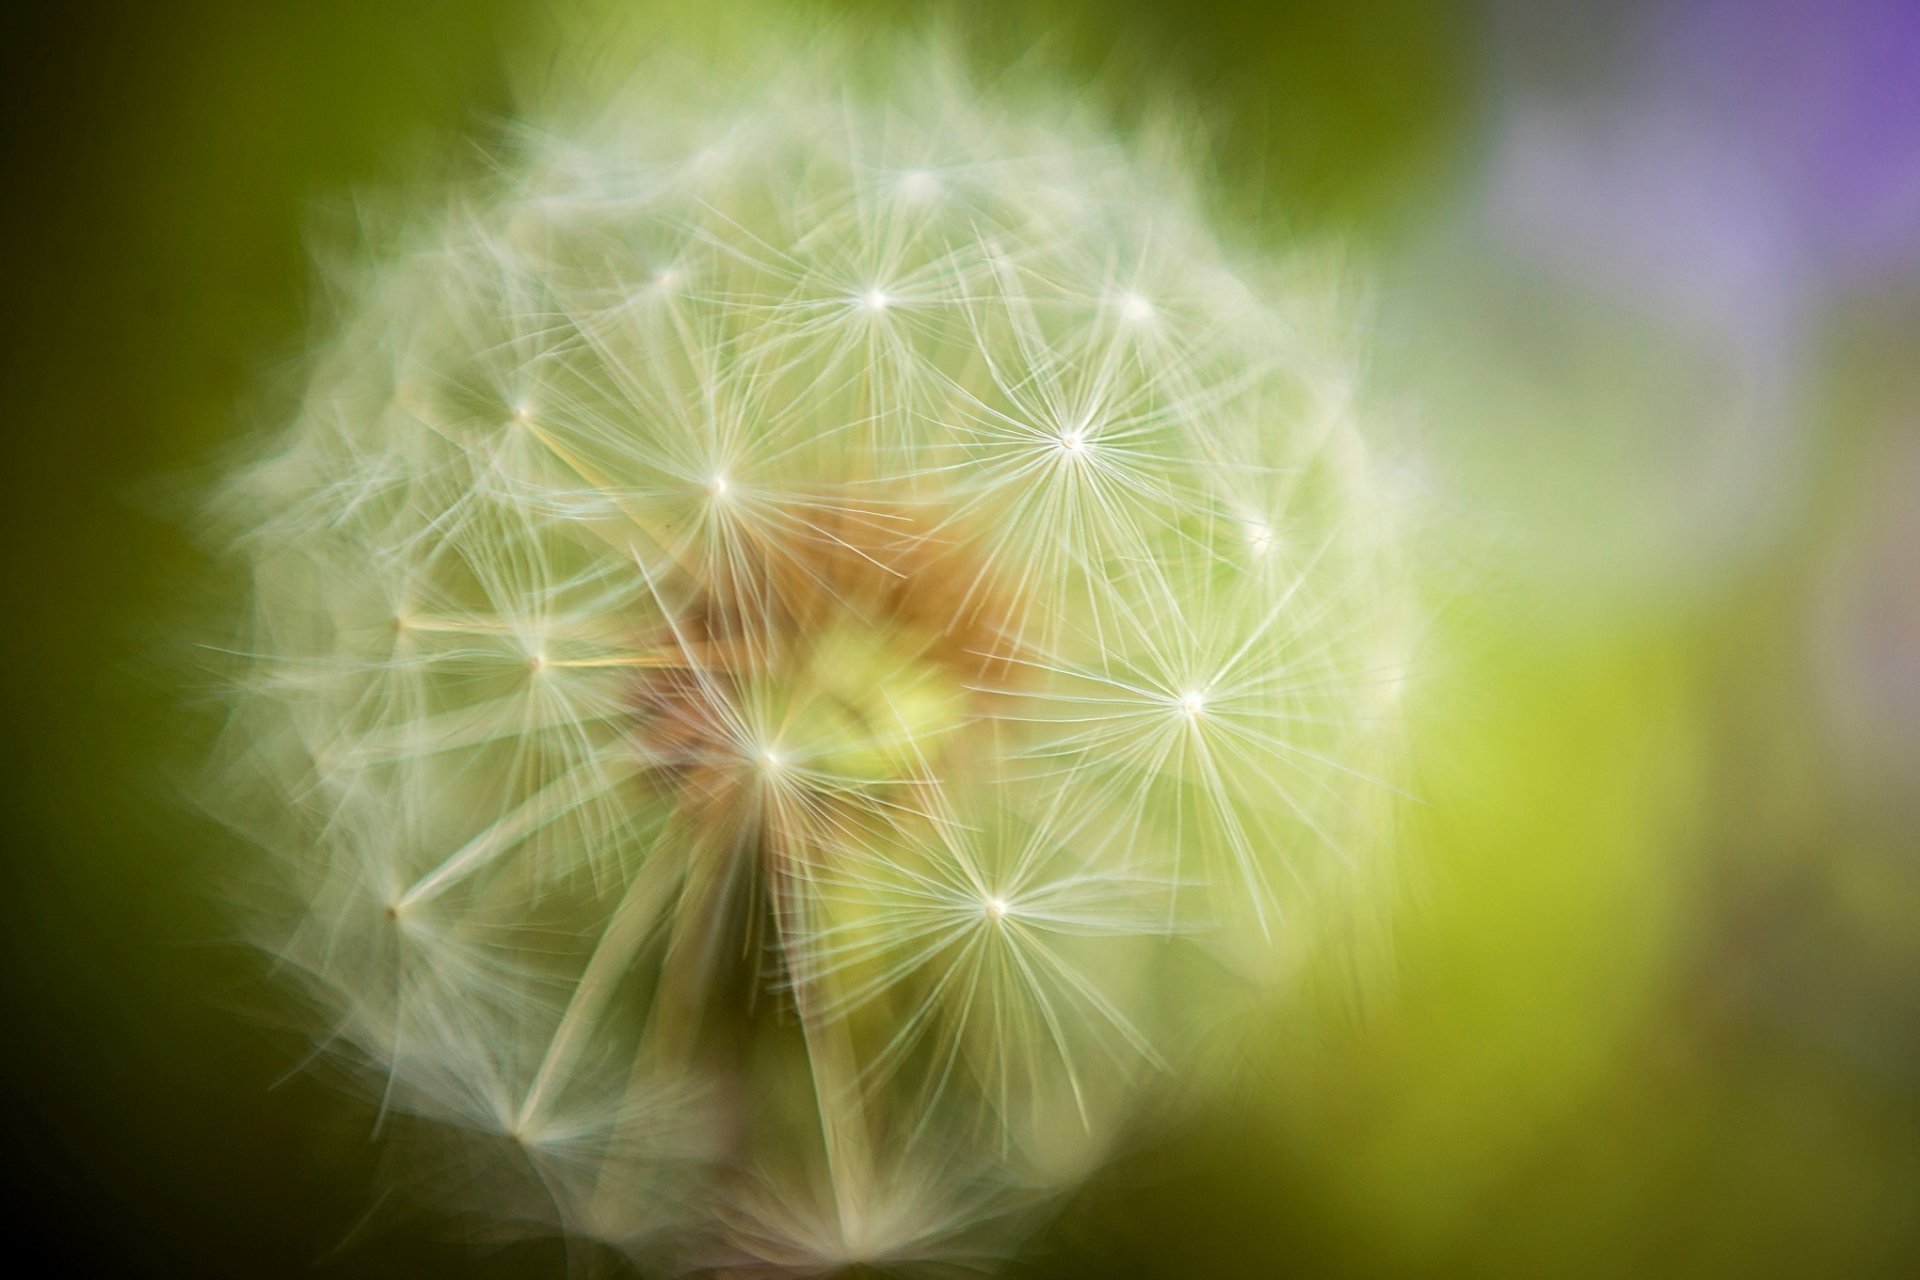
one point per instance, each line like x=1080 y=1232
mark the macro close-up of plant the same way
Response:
x=1080 y=640
x=804 y=648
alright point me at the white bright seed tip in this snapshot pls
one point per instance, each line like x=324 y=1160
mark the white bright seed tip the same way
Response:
x=1193 y=703
x=1136 y=308
x=996 y=908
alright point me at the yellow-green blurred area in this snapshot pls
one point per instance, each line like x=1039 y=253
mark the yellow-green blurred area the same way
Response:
x=1642 y=314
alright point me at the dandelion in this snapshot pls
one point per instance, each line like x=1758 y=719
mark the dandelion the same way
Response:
x=779 y=612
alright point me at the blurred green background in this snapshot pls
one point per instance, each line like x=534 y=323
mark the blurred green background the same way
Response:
x=1654 y=999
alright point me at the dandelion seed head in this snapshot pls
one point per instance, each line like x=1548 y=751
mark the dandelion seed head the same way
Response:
x=833 y=690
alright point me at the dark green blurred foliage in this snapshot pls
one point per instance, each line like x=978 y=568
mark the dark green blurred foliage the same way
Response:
x=1653 y=1002
x=1322 y=117
x=165 y=161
